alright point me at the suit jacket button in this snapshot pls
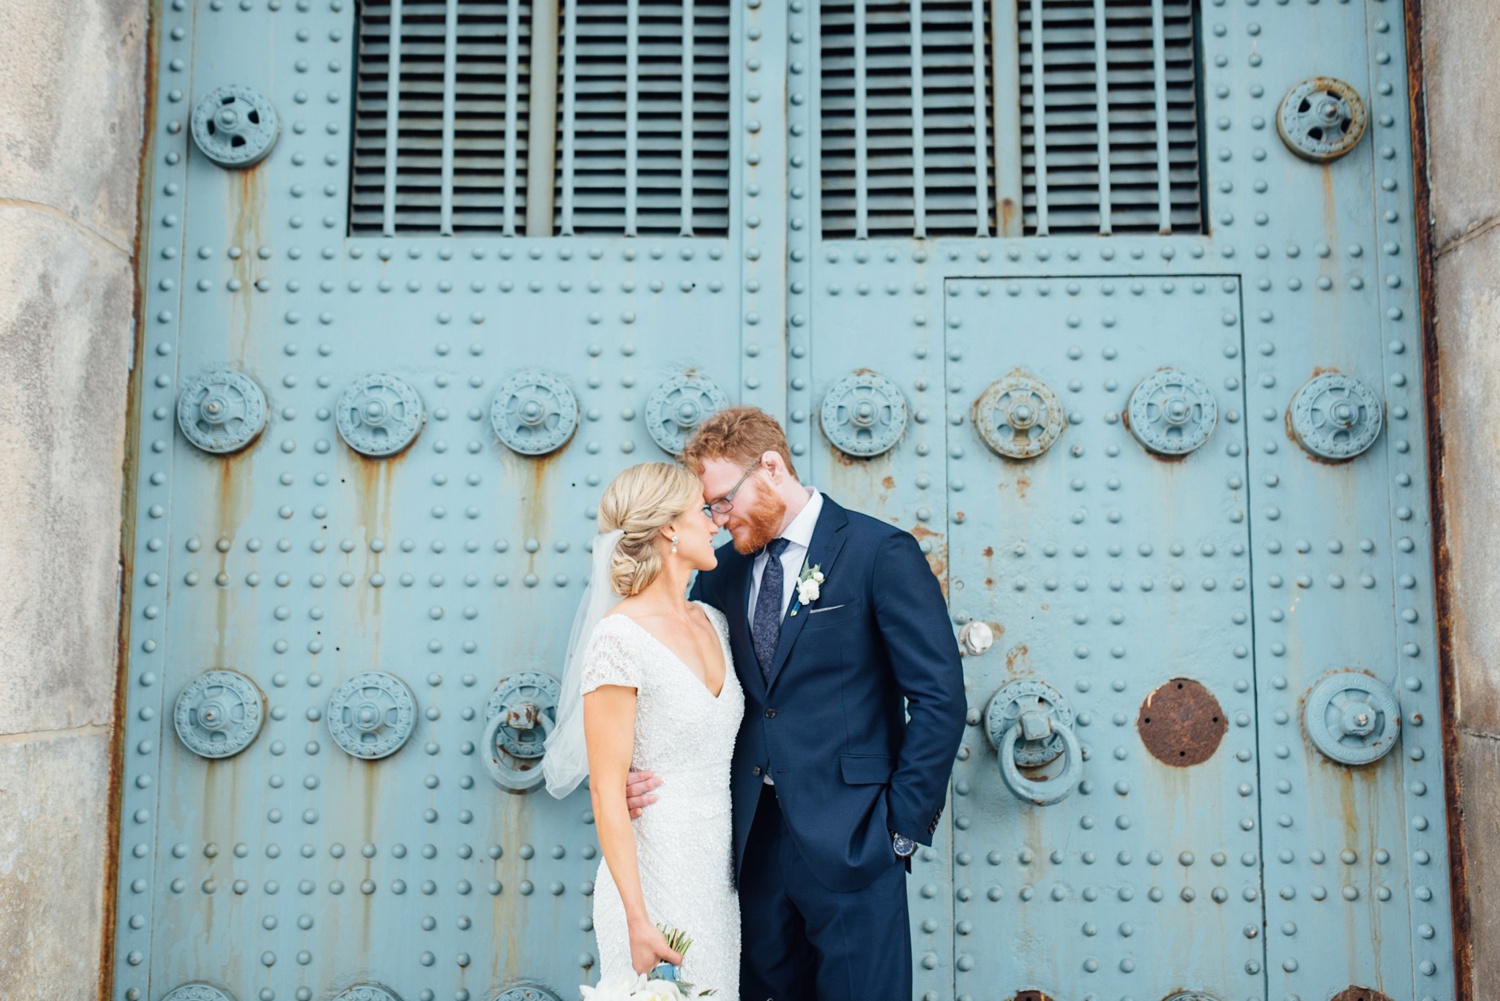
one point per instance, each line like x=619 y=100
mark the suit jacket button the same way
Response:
x=770 y=714
x=755 y=770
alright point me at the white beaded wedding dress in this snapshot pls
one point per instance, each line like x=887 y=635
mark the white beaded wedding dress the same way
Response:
x=686 y=736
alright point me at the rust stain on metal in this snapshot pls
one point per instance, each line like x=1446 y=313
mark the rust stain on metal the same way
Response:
x=1015 y=654
x=1030 y=995
x=1353 y=993
x=1181 y=723
x=1463 y=950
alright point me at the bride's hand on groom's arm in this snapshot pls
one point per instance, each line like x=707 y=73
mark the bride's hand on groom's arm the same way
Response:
x=638 y=791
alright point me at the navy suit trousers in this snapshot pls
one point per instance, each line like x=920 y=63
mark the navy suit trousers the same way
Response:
x=804 y=942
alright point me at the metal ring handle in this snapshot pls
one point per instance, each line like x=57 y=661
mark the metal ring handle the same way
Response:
x=507 y=776
x=1043 y=793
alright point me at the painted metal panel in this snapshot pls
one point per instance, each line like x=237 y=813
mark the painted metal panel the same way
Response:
x=1113 y=574
x=293 y=869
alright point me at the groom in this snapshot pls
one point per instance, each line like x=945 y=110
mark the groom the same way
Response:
x=832 y=785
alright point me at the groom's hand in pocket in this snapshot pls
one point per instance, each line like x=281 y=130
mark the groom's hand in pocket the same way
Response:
x=638 y=791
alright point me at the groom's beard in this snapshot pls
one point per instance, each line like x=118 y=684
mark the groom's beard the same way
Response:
x=762 y=524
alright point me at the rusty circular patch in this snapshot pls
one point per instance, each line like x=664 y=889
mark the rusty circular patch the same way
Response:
x=1181 y=723
x=1353 y=993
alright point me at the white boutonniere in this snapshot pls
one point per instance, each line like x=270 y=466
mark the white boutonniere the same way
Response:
x=809 y=583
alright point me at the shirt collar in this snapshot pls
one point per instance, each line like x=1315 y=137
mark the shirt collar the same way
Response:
x=800 y=531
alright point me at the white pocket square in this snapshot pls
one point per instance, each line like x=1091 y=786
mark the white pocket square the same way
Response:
x=815 y=611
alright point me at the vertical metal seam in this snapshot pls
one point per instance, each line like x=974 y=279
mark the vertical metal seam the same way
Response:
x=861 y=139
x=1163 y=146
x=1260 y=799
x=918 y=137
x=981 y=133
x=1005 y=40
x=512 y=108
x=632 y=110
x=541 y=120
x=570 y=112
x=450 y=84
x=1039 y=116
x=1101 y=108
x=392 y=120
x=687 y=117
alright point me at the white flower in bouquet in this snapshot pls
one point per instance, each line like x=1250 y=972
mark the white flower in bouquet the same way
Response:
x=667 y=990
x=619 y=988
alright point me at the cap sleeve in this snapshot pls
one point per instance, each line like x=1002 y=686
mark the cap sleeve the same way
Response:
x=609 y=660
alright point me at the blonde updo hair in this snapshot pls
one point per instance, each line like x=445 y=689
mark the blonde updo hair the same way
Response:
x=640 y=501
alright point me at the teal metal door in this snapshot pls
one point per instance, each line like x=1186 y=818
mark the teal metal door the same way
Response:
x=1113 y=305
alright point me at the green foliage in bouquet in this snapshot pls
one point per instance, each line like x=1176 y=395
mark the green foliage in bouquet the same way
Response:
x=679 y=942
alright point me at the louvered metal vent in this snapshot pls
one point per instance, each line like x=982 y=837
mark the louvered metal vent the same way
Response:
x=457 y=137
x=930 y=122
x=1130 y=65
x=600 y=91
x=906 y=118
x=625 y=124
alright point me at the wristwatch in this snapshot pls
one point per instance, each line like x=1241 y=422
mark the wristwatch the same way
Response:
x=902 y=845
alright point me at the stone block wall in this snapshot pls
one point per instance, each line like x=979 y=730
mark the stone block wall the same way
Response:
x=74 y=75
x=1462 y=79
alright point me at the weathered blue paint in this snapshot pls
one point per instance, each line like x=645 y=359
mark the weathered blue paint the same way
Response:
x=1102 y=567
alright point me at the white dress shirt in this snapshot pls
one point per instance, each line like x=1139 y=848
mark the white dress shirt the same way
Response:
x=799 y=534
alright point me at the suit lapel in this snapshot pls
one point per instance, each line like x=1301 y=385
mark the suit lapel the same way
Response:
x=827 y=540
x=737 y=598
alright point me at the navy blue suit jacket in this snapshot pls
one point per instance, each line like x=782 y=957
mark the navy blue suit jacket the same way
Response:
x=831 y=726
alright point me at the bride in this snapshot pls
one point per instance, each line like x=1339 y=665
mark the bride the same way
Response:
x=649 y=683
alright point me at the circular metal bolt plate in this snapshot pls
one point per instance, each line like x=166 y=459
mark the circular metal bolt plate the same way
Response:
x=1181 y=723
x=1172 y=413
x=198 y=991
x=235 y=126
x=864 y=414
x=1190 y=996
x=1335 y=416
x=219 y=713
x=1321 y=119
x=1019 y=697
x=222 y=412
x=678 y=406
x=1352 y=718
x=526 y=992
x=368 y=992
x=1019 y=416
x=534 y=412
x=371 y=715
x=379 y=415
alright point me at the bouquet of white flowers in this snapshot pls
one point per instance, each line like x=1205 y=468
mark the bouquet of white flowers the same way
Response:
x=662 y=983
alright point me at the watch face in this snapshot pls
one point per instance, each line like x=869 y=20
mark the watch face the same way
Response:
x=903 y=846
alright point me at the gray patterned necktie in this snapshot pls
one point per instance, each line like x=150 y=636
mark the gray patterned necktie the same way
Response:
x=766 y=629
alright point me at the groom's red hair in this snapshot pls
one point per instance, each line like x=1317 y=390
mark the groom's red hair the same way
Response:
x=739 y=434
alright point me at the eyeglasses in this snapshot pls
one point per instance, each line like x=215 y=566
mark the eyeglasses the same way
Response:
x=725 y=504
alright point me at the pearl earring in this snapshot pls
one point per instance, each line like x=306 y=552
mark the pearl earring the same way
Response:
x=674 y=543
